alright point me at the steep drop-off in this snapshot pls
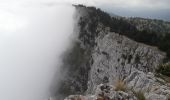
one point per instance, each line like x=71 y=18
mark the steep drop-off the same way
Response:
x=110 y=54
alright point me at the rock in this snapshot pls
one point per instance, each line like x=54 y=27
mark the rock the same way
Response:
x=114 y=57
x=156 y=97
x=118 y=58
x=75 y=97
x=104 y=92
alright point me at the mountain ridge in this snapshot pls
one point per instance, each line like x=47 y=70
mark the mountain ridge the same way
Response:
x=108 y=51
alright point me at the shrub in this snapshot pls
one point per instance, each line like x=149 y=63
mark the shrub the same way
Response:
x=120 y=86
x=164 y=69
x=164 y=44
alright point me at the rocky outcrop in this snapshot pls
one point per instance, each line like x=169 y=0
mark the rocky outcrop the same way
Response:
x=101 y=58
x=118 y=58
x=105 y=92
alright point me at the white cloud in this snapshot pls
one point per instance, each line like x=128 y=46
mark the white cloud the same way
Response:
x=142 y=4
x=32 y=39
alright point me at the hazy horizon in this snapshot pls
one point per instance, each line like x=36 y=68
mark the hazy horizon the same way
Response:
x=161 y=14
x=153 y=9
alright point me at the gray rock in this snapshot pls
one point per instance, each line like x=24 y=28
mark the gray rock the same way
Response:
x=118 y=58
x=115 y=57
x=104 y=92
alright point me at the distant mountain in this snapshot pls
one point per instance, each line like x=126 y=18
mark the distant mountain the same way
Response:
x=116 y=58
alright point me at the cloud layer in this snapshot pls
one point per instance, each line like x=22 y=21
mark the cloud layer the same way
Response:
x=32 y=39
x=148 y=4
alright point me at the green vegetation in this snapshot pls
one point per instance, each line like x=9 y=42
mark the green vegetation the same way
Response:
x=164 y=44
x=78 y=59
x=158 y=26
x=148 y=31
x=164 y=69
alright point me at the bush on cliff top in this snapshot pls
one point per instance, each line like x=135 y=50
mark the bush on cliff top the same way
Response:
x=164 y=69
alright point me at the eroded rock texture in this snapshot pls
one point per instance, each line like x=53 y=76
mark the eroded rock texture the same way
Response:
x=100 y=58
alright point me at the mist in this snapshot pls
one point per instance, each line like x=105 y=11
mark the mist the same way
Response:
x=35 y=33
x=32 y=40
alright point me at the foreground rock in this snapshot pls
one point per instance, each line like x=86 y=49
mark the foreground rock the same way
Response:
x=104 y=92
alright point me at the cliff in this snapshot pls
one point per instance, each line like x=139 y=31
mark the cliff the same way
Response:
x=108 y=62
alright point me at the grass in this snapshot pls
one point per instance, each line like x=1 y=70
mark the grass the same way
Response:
x=120 y=86
x=100 y=98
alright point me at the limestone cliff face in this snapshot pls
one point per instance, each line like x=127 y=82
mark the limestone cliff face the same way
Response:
x=103 y=58
x=118 y=58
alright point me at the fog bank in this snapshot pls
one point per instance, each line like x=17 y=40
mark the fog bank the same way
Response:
x=32 y=39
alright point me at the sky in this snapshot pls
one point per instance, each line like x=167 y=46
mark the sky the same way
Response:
x=35 y=33
x=136 y=4
x=120 y=3
x=155 y=9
